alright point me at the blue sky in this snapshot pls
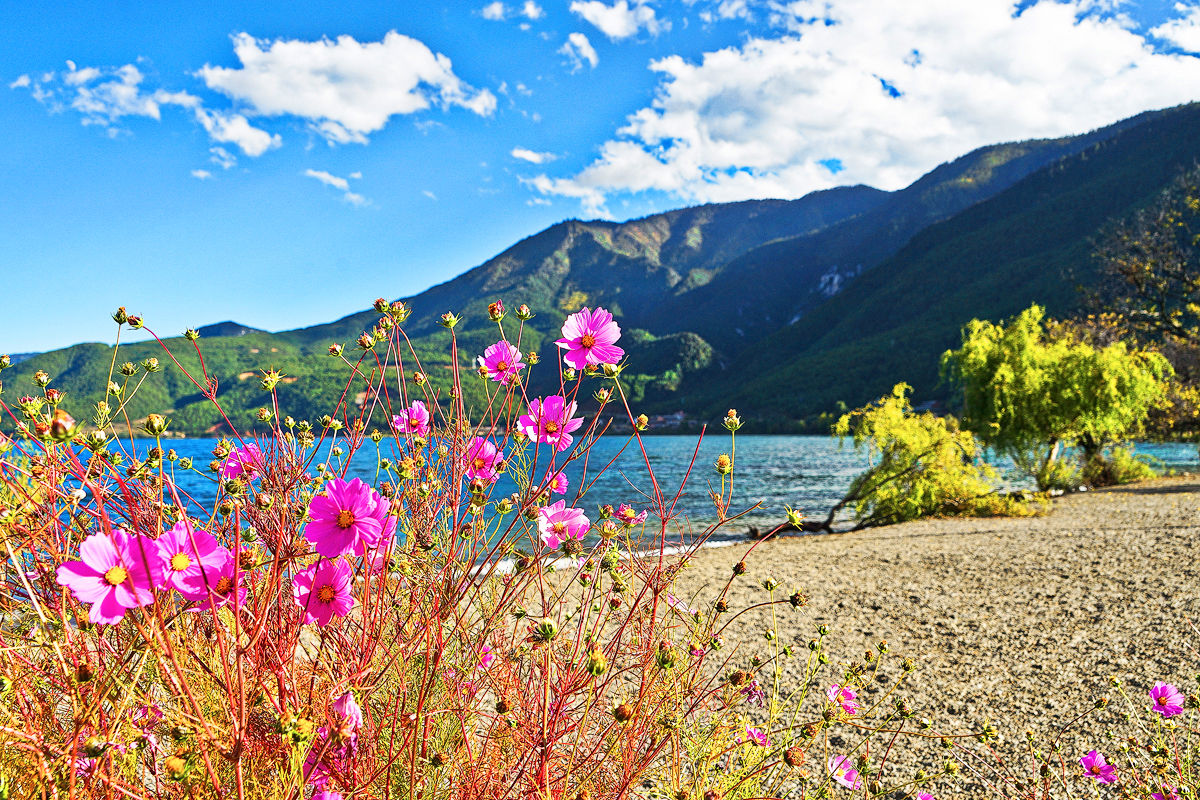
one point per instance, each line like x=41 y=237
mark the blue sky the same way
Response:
x=282 y=164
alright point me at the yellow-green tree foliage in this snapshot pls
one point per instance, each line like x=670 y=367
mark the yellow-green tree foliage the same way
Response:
x=1029 y=395
x=920 y=465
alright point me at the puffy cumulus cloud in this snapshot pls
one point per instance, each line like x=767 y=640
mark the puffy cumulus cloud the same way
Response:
x=493 y=11
x=105 y=96
x=578 y=49
x=236 y=129
x=201 y=174
x=345 y=89
x=1183 y=31
x=533 y=157
x=620 y=20
x=886 y=90
x=340 y=184
x=531 y=10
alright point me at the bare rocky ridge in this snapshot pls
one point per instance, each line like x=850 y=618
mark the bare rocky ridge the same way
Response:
x=1016 y=620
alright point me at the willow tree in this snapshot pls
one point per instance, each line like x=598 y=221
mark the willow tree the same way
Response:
x=1029 y=395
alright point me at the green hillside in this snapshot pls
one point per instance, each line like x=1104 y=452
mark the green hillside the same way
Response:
x=780 y=308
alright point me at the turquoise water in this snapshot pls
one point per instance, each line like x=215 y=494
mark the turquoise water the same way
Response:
x=807 y=472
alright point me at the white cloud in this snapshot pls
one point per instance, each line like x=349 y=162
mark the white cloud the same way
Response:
x=620 y=20
x=1183 y=31
x=236 y=129
x=531 y=156
x=345 y=89
x=578 y=49
x=532 y=10
x=20 y=83
x=105 y=102
x=338 y=183
x=222 y=157
x=429 y=194
x=201 y=174
x=493 y=11
x=889 y=89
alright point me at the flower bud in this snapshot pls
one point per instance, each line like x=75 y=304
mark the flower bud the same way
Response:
x=666 y=655
x=496 y=311
x=381 y=305
x=155 y=424
x=739 y=568
x=94 y=747
x=119 y=316
x=544 y=631
x=151 y=365
x=335 y=350
x=732 y=421
x=128 y=369
x=41 y=379
x=723 y=464
x=622 y=712
x=176 y=768
x=596 y=664
x=191 y=334
x=449 y=320
x=270 y=378
x=62 y=426
x=798 y=599
x=135 y=322
x=5 y=361
x=400 y=311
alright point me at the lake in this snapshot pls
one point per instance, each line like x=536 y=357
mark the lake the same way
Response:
x=811 y=473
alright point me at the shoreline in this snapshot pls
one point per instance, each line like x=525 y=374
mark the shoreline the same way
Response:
x=1019 y=620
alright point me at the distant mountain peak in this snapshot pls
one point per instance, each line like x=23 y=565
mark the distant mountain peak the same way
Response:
x=227 y=328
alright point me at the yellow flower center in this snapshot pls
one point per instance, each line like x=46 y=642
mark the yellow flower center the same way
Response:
x=326 y=593
x=180 y=561
x=501 y=366
x=224 y=585
x=1162 y=701
x=479 y=462
x=551 y=427
x=414 y=422
x=115 y=576
x=558 y=527
x=587 y=340
x=345 y=518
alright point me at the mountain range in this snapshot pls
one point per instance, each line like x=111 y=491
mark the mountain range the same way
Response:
x=785 y=309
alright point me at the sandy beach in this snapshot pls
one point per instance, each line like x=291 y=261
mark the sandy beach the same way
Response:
x=1018 y=620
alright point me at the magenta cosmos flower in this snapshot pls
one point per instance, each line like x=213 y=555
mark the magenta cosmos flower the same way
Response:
x=227 y=585
x=755 y=737
x=1095 y=767
x=486 y=656
x=323 y=591
x=348 y=713
x=482 y=460
x=115 y=573
x=349 y=518
x=501 y=361
x=549 y=421
x=414 y=420
x=556 y=483
x=1166 y=794
x=1168 y=700
x=924 y=796
x=558 y=524
x=192 y=560
x=845 y=697
x=243 y=462
x=843 y=771
x=628 y=516
x=588 y=338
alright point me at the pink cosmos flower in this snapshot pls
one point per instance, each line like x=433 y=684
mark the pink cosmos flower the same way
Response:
x=559 y=524
x=486 y=656
x=754 y=694
x=629 y=517
x=189 y=556
x=114 y=573
x=556 y=483
x=588 y=338
x=482 y=459
x=349 y=712
x=326 y=794
x=414 y=420
x=502 y=361
x=1166 y=794
x=323 y=591
x=1168 y=700
x=349 y=518
x=924 y=796
x=754 y=736
x=1095 y=767
x=243 y=462
x=842 y=770
x=222 y=586
x=549 y=421
x=846 y=698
